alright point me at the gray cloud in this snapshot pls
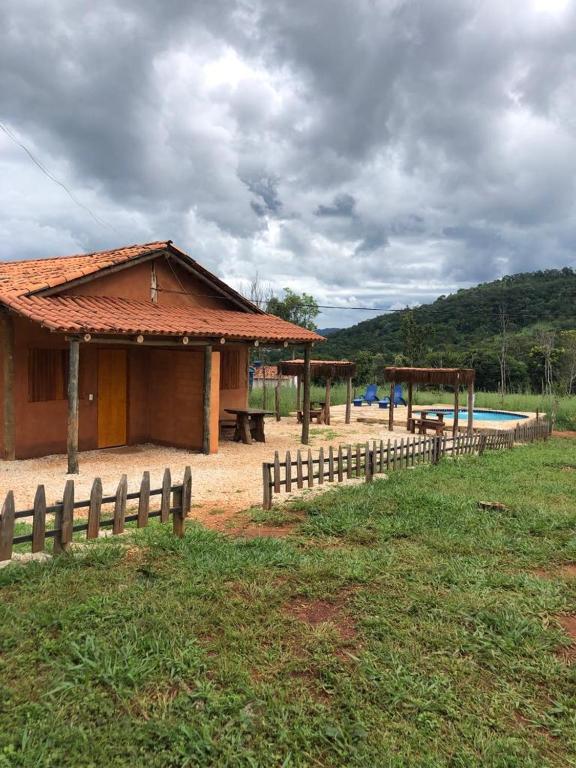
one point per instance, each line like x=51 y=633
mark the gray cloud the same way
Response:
x=326 y=140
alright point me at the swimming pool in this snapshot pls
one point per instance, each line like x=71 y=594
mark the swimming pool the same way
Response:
x=479 y=415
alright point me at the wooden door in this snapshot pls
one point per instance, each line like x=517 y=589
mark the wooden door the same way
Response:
x=112 y=386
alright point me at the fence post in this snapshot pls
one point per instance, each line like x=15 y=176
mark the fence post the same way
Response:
x=436 y=449
x=182 y=500
x=165 y=502
x=94 y=508
x=144 y=500
x=288 y=472
x=367 y=464
x=39 y=520
x=63 y=520
x=120 y=505
x=266 y=486
x=7 y=527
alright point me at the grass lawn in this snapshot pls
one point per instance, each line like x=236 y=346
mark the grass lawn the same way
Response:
x=398 y=625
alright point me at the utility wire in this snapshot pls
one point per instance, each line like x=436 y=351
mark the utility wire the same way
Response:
x=47 y=173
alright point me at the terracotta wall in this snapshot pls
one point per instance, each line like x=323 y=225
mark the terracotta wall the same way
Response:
x=177 y=287
x=165 y=402
x=236 y=398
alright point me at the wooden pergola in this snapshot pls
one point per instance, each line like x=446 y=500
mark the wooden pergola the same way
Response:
x=450 y=377
x=329 y=370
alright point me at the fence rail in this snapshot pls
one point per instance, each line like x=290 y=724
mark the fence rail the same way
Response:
x=175 y=500
x=377 y=456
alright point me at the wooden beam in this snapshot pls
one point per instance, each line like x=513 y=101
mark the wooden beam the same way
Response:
x=9 y=440
x=410 y=397
x=306 y=396
x=391 y=408
x=456 y=406
x=207 y=398
x=72 y=442
x=348 y=398
x=470 y=408
x=328 y=395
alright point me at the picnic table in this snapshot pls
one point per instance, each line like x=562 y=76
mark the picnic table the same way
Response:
x=249 y=424
x=427 y=422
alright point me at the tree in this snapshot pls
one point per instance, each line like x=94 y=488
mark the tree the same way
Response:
x=412 y=338
x=300 y=309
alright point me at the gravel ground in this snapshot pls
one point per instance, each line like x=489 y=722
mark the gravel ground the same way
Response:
x=230 y=480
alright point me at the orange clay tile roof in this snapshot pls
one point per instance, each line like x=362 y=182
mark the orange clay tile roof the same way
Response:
x=22 y=284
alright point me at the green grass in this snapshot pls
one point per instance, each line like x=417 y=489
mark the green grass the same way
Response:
x=440 y=647
x=565 y=406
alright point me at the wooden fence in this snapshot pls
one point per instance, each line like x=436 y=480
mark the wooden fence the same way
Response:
x=175 y=500
x=376 y=457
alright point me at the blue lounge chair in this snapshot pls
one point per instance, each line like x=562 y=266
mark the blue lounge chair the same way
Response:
x=398 y=399
x=370 y=396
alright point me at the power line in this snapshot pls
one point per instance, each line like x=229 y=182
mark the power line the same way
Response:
x=47 y=173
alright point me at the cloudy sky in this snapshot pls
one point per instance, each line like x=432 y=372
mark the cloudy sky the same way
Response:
x=370 y=152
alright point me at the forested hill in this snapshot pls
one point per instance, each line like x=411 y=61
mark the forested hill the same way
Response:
x=467 y=319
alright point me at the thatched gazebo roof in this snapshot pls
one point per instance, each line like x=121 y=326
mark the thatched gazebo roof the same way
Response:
x=324 y=369
x=448 y=376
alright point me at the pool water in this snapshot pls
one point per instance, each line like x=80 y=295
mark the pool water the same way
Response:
x=480 y=415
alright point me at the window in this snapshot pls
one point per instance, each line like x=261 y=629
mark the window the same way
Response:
x=47 y=374
x=230 y=366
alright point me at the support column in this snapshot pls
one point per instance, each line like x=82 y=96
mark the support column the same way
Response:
x=348 y=398
x=72 y=442
x=328 y=396
x=207 y=398
x=410 y=393
x=456 y=406
x=391 y=407
x=306 y=396
x=9 y=441
x=470 y=408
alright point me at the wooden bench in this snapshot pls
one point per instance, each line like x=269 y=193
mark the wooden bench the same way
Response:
x=317 y=411
x=226 y=428
x=425 y=422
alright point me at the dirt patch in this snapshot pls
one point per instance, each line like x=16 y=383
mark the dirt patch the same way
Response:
x=567 y=571
x=568 y=653
x=317 y=612
x=570 y=434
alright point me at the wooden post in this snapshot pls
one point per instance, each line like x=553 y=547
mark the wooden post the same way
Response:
x=72 y=444
x=409 y=415
x=182 y=500
x=94 y=509
x=144 y=501
x=306 y=395
x=120 y=506
x=39 y=520
x=470 y=408
x=206 y=399
x=348 y=398
x=391 y=408
x=264 y=390
x=456 y=405
x=7 y=527
x=327 y=406
x=63 y=520
x=8 y=382
x=165 y=497
x=266 y=486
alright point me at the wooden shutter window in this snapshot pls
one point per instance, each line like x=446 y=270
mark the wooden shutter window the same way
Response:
x=230 y=369
x=47 y=374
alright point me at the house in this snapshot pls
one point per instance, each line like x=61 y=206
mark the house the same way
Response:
x=132 y=345
x=268 y=375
